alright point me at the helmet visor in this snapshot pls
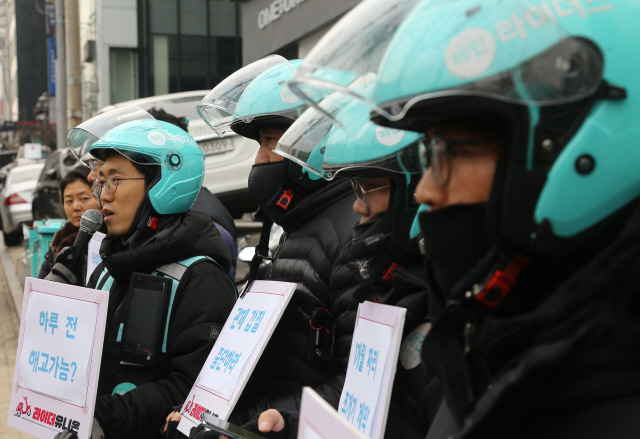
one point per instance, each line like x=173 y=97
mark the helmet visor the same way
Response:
x=352 y=48
x=219 y=108
x=323 y=148
x=509 y=50
x=90 y=140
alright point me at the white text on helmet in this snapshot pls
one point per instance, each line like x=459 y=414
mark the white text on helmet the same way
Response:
x=536 y=16
x=181 y=138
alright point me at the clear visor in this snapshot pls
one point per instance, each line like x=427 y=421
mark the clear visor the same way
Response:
x=325 y=149
x=352 y=48
x=89 y=140
x=219 y=108
x=510 y=50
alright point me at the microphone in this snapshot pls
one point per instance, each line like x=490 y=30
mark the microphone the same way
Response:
x=89 y=223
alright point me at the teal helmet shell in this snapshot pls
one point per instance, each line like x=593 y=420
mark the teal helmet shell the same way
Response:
x=564 y=84
x=269 y=94
x=268 y=102
x=255 y=92
x=337 y=135
x=179 y=160
x=389 y=150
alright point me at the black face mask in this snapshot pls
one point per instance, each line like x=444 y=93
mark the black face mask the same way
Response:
x=369 y=243
x=369 y=236
x=265 y=181
x=455 y=239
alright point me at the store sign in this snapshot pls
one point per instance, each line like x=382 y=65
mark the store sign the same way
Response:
x=275 y=10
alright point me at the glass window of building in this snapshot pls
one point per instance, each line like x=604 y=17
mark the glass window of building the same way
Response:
x=123 y=66
x=187 y=44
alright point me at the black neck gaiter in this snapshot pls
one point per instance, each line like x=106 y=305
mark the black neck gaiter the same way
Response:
x=368 y=236
x=455 y=239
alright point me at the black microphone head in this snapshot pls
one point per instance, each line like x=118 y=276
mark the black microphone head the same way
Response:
x=91 y=221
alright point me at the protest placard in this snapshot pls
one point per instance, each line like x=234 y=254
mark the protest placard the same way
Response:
x=93 y=254
x=58 y=359
x=364 y=402
x=236 y=352
x=318 y=420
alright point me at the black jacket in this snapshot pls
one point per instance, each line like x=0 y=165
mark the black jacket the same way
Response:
x=416 y=393
x=62 y=238
x=212 y=207
x=315 y=232
x=559 y=358
x=204 y=299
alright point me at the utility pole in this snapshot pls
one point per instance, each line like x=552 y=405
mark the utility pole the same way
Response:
x=61 y=77
x=74 y=68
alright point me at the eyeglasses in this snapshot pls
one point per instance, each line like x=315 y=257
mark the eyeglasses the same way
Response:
x=95 y=164
x=362 y=194
x=436 y=153
x=110 y=184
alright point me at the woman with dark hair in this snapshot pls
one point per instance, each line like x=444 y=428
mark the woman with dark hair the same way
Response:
x=77 y=198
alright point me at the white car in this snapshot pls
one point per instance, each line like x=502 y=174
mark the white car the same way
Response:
x=228 y=160
x=15 y=200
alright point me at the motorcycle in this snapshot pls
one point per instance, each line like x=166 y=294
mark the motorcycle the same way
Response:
x=23 y=409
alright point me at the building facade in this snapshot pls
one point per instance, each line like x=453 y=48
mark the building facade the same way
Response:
x=24 y=58
x=187 y=44
x=287 y=27
x=139 y=48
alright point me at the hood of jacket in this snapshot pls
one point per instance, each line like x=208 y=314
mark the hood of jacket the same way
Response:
x=176 y=238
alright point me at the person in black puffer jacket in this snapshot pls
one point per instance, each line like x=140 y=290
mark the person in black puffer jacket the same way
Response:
x=151 y=233
x=316 y=217
x=382 y=256
x=532 y=235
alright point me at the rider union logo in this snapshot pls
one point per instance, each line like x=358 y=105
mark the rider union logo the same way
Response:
x=45 y=417
x=389 y=136
x=470 y=53
x=288 y=96
x=157 y=138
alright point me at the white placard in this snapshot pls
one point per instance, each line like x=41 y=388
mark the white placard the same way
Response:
x=364 y=402
x=93 y=254
x=56 y=349
x=367 y=361
x=49 y=393
x=33 y=151
x=318 y=420
x=228 y=360
x=236 y=352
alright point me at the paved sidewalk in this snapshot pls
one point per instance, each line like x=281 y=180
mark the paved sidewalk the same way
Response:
x=9 y=328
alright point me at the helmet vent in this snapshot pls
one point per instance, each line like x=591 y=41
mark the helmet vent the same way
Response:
x=174 y=161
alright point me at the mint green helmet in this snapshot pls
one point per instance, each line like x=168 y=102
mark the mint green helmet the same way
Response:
x=255 y=96
x=559 y=79
x=326 y=148
x=135 y=134
x=365 y=149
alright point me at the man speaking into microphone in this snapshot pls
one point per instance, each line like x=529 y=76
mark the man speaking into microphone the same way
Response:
x=165 y=269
